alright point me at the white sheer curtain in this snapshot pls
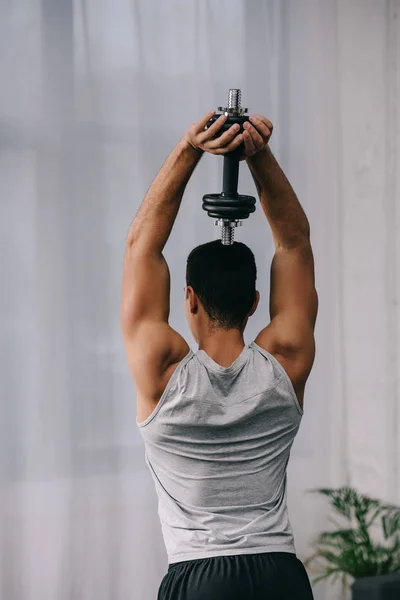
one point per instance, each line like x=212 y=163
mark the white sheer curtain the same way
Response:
x=94 y=95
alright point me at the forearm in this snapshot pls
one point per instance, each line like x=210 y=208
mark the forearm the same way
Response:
x=153 y=223
x=287 y=219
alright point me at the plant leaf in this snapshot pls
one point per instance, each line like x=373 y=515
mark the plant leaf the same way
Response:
x=351 y=550
x=391 y=521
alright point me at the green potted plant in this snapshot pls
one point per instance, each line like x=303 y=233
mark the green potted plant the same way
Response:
x=365 y=542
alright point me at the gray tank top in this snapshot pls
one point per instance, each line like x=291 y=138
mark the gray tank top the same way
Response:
x=217 y=446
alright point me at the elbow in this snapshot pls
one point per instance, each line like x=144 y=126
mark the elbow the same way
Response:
x=297 y=234
x=295 y=241
x=131 y=241
x=304 y=231
x=301 y=238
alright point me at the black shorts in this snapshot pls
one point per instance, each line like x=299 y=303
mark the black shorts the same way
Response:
x=271 y=575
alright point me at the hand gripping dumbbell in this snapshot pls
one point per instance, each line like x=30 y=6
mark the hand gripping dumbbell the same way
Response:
x=229 y=207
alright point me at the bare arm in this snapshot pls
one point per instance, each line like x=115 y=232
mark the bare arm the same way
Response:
x=152 y=345
x=286 y=217
x=145 y=293
x=293 y=297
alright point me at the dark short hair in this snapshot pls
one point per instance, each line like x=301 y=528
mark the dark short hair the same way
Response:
x=224 y=279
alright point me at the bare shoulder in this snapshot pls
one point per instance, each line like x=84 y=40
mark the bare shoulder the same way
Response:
x=296 y=353
x=154 y=351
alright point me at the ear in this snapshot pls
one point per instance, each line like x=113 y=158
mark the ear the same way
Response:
x=193 y=301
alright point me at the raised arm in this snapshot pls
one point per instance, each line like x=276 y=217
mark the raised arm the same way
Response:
x=152 y=345
x=293 y=297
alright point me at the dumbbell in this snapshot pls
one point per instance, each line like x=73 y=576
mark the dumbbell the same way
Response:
x=229 y=207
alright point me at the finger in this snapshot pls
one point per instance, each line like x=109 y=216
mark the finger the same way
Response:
x=258 y=140
x=263 y=120
x=261 y=127
x=232 y=146
x=225 y=138
x=213 y=129
x=248 y=144
x=200 y=125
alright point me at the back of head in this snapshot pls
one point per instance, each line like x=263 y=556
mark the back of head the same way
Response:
x=224 y=279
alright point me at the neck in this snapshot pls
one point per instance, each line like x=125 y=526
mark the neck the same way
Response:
x=222 y=345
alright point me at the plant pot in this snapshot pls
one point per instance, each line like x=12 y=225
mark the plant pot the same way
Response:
x=379 y=587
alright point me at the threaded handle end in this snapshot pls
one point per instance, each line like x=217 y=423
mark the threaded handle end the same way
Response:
x=228 y=234
x=235 y=98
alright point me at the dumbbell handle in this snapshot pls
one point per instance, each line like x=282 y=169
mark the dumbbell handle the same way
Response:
x=230 y=174
x=229 y=207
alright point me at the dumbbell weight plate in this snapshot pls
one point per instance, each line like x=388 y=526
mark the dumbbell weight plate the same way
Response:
x=222 y=205
x=241 y=200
